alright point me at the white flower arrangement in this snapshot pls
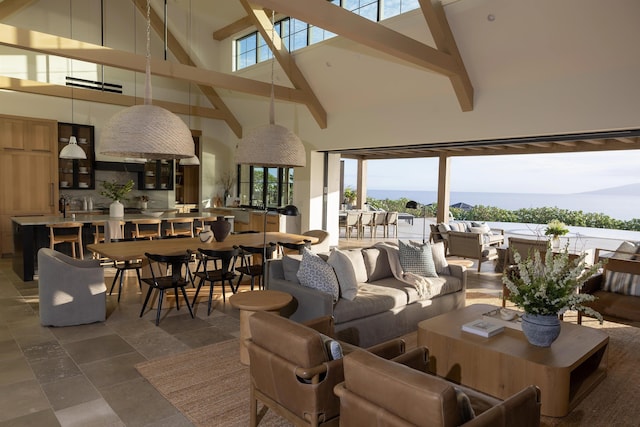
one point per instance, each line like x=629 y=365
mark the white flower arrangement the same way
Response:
x=550 y=287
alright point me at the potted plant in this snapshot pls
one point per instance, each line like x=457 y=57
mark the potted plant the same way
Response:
x=349 y=196
x=116 y=192
x=545 y=289
x=555 y=228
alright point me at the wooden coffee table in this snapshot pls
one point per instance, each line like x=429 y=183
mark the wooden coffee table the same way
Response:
x=506 y=363
x=250 y=302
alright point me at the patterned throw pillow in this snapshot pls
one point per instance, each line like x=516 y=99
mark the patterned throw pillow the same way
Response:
x=622 y=283
x=417 y=259
x=315 y=273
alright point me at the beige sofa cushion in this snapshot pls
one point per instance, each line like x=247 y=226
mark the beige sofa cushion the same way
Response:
x=350 y=270
x=376 y=262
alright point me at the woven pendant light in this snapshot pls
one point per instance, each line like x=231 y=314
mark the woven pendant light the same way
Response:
x=271 y=145
x=147 y=131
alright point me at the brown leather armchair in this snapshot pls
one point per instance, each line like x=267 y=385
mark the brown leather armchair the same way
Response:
x=292 y=372
x=383 y=392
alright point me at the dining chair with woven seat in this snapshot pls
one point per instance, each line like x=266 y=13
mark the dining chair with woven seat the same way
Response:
x=391 y=221
x=350 y=223
x=223 y=274
x=248 y=264
x=366 y=220
x=147 y=228
x=178 y=267
x=67 y=232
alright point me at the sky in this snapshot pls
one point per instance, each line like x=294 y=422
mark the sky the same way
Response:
x=563 y=173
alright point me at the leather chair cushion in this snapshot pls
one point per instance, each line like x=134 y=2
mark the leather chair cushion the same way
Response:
x=303 y=346
x=396 y=388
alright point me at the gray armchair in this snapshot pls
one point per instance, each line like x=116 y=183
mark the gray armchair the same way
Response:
x=71 y=291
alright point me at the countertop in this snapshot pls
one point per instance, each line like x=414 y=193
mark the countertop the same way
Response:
x=89 y=218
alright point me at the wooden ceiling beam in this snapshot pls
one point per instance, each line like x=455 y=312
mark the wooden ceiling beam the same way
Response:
x=68 y=48
x=445 y=42
x=10 y=7
x=184 y=58
x=286 y=61
x=368 y=33
x=235 y=27
x=59 y=91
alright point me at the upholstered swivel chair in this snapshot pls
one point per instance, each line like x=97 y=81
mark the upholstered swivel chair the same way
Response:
x=322 y=245
x=379 y=392
x=71 y=291
x=293 y=371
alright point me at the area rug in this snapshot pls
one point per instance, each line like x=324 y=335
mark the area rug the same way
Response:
x=210 y=386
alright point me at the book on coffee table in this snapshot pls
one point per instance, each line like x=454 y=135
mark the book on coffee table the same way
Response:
x=505 y=317
x=482 y=327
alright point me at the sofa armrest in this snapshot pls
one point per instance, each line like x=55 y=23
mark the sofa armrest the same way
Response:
x=522 y=409
x=323 y=324
x=592 y=284
x=307 y=304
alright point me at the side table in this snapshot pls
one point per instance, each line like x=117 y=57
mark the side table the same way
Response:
x=250 y=302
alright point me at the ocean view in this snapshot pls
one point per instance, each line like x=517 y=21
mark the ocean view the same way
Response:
x=622 y=207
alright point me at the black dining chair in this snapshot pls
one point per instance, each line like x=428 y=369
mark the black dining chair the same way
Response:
x=248 y=264
x=176 y=277
x=222 y=275
x=295 y=247
x=122 y=267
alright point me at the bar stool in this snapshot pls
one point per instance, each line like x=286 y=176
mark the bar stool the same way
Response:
x=98 y=233
x=147 y=231
x=180 y=227
x=68 y=232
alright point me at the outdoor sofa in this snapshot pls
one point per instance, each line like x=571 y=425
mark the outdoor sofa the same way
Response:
x=383 y=307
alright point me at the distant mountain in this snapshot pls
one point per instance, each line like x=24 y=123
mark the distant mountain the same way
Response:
x=623 y=190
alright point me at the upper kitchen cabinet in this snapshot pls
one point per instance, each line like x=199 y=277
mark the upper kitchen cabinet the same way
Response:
x=157 y=175
x=73 y=173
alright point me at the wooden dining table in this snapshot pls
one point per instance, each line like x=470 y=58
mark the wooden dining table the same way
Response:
x=129 y=250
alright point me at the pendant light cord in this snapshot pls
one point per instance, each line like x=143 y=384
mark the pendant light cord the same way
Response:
x=147 y=83
x=272 y=115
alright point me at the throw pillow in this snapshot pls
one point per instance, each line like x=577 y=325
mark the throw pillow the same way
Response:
x=334 y=349
x=290 y=266
x=377 y=263
x=344 y=265
x=481 y=229
x=464 y=406
x=622 y=283
x=315 y=273
x=626 y=250
x=439 y=259
x=417 y=259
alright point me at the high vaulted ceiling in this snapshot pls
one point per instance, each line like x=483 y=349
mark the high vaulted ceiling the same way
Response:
x=409 y=60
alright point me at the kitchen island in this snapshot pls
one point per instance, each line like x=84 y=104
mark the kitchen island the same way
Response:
x=30 y=233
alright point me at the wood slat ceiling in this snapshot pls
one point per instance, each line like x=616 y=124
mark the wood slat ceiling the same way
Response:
x=598 y=141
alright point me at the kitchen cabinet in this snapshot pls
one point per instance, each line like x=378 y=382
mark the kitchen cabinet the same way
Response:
x=28 y=171
x=188 y=177
x=77 y=173
x=157 y=175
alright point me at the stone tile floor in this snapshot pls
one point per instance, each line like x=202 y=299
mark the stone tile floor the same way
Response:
x=85 y=375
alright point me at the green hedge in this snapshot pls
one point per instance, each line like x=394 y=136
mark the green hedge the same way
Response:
x=529 y=215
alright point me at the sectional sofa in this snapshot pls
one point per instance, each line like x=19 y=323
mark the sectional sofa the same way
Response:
x=382 y=308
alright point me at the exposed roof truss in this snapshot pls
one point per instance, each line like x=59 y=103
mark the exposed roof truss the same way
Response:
x=571 y=143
